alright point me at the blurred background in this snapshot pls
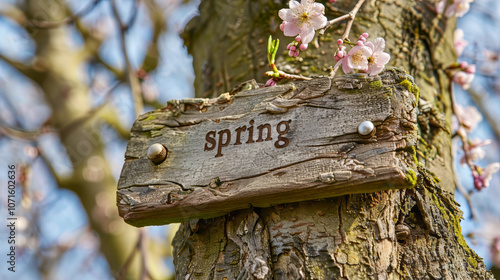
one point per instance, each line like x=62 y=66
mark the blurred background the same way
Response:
x=73 y=77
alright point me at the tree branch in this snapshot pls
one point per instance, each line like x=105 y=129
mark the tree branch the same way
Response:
x=131 y=77
x=53 y=24
x=24 y=69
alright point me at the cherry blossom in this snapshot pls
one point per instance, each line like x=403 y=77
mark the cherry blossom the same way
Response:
x=440 y=6
x=474 y=150
x=482 y=177
x=463 y=79
x=302 y=19
x=379 y=58
x=458 y=8
x=469 y=117
x=271 y=82
x=356 y=58
x=458 y=41
x=490 y=64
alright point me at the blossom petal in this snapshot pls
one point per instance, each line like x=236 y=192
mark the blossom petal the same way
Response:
x=293 y=4
x=306 y=34
x=286 y=14
x=379 y=44
x=383 y=58
x=370 y=45
x=345 y=65
x=374 y=69
x=451 y=10
x=319 y=8
x=367 y=51
x=318 y=21
x=440 y=6
x=291 y=28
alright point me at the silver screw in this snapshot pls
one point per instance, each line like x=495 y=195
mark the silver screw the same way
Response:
x=157 y=153
x=366 y=129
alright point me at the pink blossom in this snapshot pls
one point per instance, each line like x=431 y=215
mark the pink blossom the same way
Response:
x=356 y=58
x=440 y=6
x=303 y=19
x=469 y=116
x=379 y=58
x=458 y=8
x=483 y=179
x=270 y=83
x=474 y=150
x=458 y=41
x=463 y=79
x=471 y=69
x=491 y=63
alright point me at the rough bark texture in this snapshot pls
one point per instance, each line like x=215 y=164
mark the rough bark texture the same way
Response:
x=398 y=234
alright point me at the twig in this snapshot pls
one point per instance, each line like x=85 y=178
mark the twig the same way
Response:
x=67 y=129
x=479 y=102
x=26 y=70
x=350 y=16
x=283 y=75
x=142 y=250
x=53 y=24
x=466 y=195
x=139 y=247
x=135 y=86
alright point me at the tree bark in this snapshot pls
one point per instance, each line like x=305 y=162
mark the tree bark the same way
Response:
x=398 y=234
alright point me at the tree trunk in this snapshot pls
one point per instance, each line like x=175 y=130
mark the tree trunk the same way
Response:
x=398 y=234
x=59 y=71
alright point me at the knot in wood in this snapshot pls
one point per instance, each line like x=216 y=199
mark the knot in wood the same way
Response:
x=402 y=232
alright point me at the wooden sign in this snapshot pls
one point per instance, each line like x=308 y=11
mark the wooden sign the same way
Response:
x=266 y=146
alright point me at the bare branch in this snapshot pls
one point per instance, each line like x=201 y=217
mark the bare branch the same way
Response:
x=24 y=69
x=131 y=77
x=53 y=24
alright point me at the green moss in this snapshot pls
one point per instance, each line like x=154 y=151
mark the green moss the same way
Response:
x=411 y=177
x=149 y=118
x=411 y=87
x=376 y=84
x=454 y=220
x=413 y=152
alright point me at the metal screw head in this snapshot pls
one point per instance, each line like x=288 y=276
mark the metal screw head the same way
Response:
x=157 y=153
x=366 y=129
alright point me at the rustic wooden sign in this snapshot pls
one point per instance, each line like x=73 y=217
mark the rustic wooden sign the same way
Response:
x=266 y=146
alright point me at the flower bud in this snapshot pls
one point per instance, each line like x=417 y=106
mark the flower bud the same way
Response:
x=282 y=26
x=471 y=69
x=270 y=83
x=298 y=39
x=340 y=42
x=293 y=48
x=303 y=47
x=365 y=35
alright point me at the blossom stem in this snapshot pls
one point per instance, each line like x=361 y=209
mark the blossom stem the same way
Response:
x=282 y=75
x=352 y=16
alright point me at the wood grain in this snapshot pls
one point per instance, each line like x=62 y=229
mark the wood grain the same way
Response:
x=322 y=156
